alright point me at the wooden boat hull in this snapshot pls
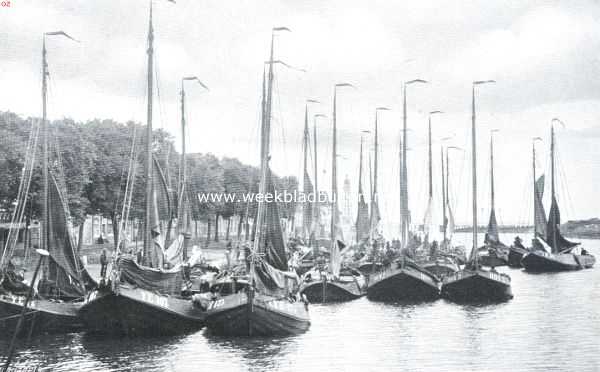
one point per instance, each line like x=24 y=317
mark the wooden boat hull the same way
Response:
x=515 y=255
x=476 y=287
x=541 y=261
x=440 y=268
x=368 y=268
x=135 y=311
x=237 y=315
x=403 y=284
x=331 y=291
x=42 y=316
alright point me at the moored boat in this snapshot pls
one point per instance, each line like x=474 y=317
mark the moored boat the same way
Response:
x=321 y=287
x=270 y=305
x=477 y=285
x=404 y=281
x=64 y=280
x=558 y=254
x=473 y=283
x=145 y=298
x=141 y=301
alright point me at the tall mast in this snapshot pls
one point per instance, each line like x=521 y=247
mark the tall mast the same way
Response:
x=535 y=218
x=474 y=168
x=492 y=195
x=182 y=173
x=316 y=210
x=263 y=112
x=403 y=177
x=360 y=188
x=444 y=223
x=430 y=168
x=375 y=158
x=552 y=154
x=305 y=168
x=148 y=171
x=45 y=225
x=474 y=175
x=333 y=229
x=265 y=146
x=401 y=180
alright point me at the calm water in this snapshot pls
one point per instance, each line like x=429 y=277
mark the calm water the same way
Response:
x=553 y=323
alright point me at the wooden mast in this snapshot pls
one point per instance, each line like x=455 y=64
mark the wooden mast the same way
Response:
x=554 y=238
x=403 y=177
x=148 y=171
x=333 y=225
x=360 y=188
x=316 y=210
x=45 y=225
x=492 y=195
x=474 y=177
x=374 y=193
x=535 y=217
x=444 y=221
x=306 y=207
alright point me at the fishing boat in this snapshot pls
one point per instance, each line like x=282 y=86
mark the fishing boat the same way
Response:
x=438 y=261
x=494 y=253
x=270 y=305
x=404 y=279
x=65 y=280
x=560 y=256
x=329 y=283
x=517 y=250
x=473 y=283
x=145 y=298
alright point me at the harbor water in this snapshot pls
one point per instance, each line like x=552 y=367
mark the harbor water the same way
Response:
x=551 y=325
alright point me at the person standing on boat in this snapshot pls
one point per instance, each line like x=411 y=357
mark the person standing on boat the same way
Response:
x=103 y=263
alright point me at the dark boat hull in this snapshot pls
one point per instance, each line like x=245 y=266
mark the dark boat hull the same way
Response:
x=42 y=316
x=134 y=311
x=541 y=261
x=331 y=291
x=403 y=284
x=515 y=255
x=237 y=315
x=477 y=287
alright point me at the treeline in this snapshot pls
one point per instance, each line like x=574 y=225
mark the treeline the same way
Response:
x=92 y=160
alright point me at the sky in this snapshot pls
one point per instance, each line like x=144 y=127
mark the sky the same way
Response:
x=544 y=55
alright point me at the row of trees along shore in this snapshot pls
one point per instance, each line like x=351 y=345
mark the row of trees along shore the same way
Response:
x=93 y=157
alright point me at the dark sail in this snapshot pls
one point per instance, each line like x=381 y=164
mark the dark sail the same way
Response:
x=362 y=215
x=539 y=212
x=272 y=242
x=553 y=236
x=160 y=217
x=491 y=236
x=65 y=272
x=362 y=219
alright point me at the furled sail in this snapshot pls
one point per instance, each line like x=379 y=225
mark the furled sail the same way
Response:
x=362 y=219
x=307 y=223
x=492 y=236
x=375 y=217
x=65 y=273
x=272 y=242
x=553 y=236
x=539 y=212
x=160 y=217
x=362 y=215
